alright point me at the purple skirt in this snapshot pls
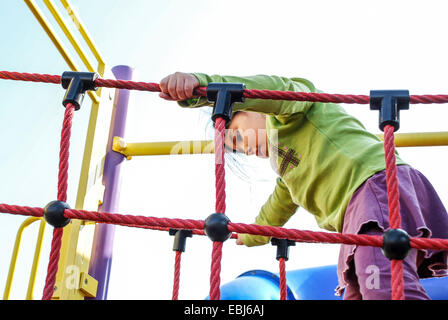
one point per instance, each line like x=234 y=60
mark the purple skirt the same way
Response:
x=422 y=215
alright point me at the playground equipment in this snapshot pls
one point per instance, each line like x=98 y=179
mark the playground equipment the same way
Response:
x=305 y=284
x=79 y=241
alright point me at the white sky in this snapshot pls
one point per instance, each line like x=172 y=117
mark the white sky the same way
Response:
x=341 y=46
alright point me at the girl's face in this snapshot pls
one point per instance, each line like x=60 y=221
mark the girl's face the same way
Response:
x=247 y=133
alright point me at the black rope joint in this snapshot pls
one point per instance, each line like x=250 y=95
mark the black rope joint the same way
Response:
x=282 y=247
x=389 y=103
x=54 y=214
x=215 y=227
x=77 y=83
x=224 y=95
x=396 y=244
x=180 y=238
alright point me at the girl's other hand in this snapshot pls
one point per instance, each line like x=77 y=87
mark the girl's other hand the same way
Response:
x=178 y=86
x=239 y=241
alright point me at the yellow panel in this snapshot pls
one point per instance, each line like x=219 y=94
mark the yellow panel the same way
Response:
x=88 y=285
x=78 y=236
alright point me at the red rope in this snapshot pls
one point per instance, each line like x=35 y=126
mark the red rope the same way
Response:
x=220 y=206
x=189 y=224
x=393 y=198
x=155 y=223
x=433 y=244
x=305 y=235
x=21 y=210
x=33 y=77
x=53 y=264
x=62 y=196
x=195 y=231
x=283 y=286
x=393 y=193
x=176 y=275
x=133 y=220
x=248 y=93
x=64 y=152
x=215 y=273
x=220 y=183
x=397 y=279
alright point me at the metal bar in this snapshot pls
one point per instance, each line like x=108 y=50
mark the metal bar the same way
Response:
x=57 y=16
x=50 y=32
x=56 y=41
x=101 y=258
x=86 y=36
x=15 y=254
x=419 y=139
x=37 y=251
x=163 y=148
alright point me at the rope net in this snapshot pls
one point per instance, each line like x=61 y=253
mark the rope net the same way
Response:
x=198 y=226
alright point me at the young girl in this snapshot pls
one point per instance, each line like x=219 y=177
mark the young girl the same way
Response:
x=331 y=166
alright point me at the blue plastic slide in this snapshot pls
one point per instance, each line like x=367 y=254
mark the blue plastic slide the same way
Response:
x=305 y=284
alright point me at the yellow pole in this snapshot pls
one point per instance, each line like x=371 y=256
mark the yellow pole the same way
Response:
x=162 y=148
x=15 y=254
x=86 y=36
x=56 y=41
x=57 y=16
x=50 y=32
x=419 y=139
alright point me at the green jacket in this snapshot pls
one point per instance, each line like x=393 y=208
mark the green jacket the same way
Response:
x=320 y=152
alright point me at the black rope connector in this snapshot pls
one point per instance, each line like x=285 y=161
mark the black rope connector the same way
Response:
x=54 y=214
x=215 y=227
x=77 y=83
x=389 y=103
x=224 y=95
x=282 y=247
x=180 y=238
x=396 y=244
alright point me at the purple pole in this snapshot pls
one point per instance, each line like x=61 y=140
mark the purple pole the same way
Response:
x=101 y=258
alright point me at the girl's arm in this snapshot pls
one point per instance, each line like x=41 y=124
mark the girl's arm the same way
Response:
x=179 y=87
x=275 y=212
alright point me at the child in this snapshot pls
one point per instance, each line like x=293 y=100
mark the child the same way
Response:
x=331 y=166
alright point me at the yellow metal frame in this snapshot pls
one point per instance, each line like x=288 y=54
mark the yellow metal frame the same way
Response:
x=15 y=254
x=72 y=279
x=418 y=139
x=162 y=148
x=38 y=14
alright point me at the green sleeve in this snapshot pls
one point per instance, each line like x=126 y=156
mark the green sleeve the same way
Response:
x=270 y=107
x=275 y=212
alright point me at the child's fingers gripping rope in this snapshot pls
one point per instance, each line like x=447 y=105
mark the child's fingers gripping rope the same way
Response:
x=178 y=86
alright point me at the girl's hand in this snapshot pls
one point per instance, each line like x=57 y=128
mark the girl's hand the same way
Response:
x=239 y=241
x=178 y=86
